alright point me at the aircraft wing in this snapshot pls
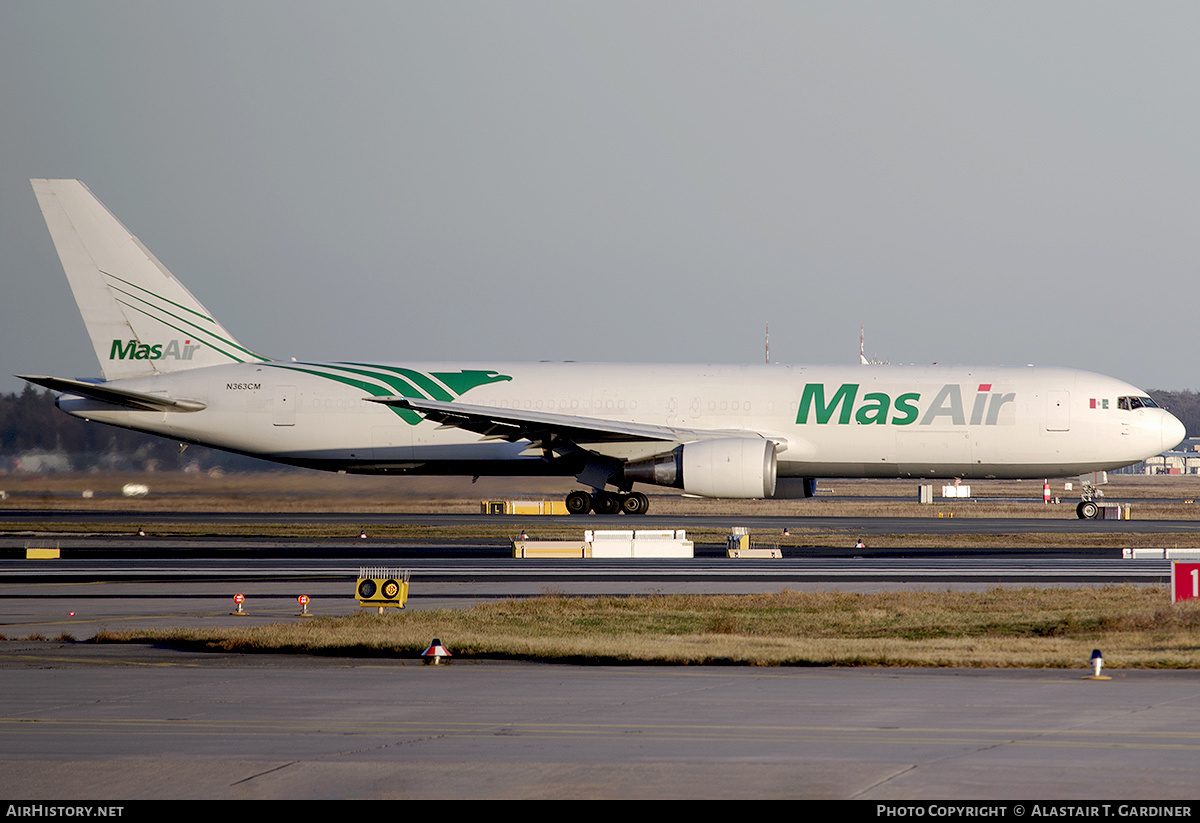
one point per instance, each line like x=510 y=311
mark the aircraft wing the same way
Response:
x=517 y=424
x=140 y=401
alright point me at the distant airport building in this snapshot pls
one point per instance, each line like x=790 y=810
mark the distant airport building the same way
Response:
x=1184 y=459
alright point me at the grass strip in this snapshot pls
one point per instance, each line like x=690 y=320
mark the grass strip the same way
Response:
x=1135 y=627
x=793 y=544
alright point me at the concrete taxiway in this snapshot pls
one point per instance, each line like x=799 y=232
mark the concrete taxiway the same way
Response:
x=81 y=721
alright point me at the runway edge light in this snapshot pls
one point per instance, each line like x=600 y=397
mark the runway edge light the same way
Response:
x=435 y=654
x=1097 y=665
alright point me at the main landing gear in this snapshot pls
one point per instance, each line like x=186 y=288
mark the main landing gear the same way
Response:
x=580 y=502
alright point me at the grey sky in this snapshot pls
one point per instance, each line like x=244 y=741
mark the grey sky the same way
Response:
x=646 y=181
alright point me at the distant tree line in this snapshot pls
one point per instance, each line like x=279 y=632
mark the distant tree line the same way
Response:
x=34 y=435
x=1183 y=404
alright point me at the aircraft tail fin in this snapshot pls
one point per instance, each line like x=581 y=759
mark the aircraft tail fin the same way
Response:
x=141 y=320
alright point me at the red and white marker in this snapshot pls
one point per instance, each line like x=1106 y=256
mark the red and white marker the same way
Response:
x=436 y=652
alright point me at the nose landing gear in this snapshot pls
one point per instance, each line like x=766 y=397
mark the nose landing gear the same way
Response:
x=1088 y=508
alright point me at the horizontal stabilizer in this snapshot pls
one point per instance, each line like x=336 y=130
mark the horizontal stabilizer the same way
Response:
x=117 y=397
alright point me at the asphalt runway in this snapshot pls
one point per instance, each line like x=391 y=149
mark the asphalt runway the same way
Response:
x=105 y=582
x=79 y=599
x=83 y=721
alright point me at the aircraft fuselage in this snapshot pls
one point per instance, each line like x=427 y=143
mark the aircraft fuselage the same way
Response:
x=827 y=421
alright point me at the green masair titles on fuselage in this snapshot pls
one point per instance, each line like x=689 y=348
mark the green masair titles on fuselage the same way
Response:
x=880 y=408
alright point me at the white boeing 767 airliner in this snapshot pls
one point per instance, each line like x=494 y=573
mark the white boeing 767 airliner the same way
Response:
x=717 y=431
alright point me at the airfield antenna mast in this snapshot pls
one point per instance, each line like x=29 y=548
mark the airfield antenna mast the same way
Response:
x=862 y=350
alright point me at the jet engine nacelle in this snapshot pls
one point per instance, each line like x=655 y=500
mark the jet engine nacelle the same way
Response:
x=736 y=467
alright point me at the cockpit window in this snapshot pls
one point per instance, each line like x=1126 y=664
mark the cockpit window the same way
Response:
x=1130 y=403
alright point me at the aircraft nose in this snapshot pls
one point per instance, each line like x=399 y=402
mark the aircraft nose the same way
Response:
x=1173 y=431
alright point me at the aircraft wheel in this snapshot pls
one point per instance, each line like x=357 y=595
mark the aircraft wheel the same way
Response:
x=606 y=503
x=579 y=502
x=1087 y=510
x=636 y=503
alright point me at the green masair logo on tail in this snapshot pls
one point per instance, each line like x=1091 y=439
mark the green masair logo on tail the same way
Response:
x=134 y=350
x=879 y=408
